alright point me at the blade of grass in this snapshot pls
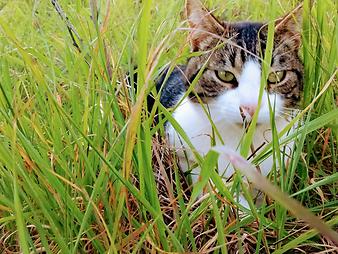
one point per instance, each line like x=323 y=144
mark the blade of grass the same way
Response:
x=303 y=237
x=291 y=204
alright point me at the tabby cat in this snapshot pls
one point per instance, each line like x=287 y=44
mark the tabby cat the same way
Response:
x=229 y=71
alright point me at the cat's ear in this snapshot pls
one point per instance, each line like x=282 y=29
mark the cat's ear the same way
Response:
x=288 y=28
x=205 y=28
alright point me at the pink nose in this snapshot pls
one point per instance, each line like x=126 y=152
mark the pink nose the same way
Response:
x=248 y=109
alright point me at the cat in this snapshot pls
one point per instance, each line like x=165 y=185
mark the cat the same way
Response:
x=228 y=87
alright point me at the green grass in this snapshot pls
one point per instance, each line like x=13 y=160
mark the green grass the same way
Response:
x=83 y=168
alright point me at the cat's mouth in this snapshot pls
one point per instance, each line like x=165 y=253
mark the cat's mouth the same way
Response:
x=246 y=124
x=246 y=118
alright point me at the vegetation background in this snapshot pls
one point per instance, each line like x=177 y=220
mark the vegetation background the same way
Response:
x=83 y=169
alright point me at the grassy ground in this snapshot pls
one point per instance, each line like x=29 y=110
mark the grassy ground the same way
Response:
x=82 y=168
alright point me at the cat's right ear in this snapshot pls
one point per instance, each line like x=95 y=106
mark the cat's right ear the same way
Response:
x=288 y=28
x=205 y=28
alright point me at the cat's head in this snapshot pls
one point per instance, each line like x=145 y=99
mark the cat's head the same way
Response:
x=232 y=61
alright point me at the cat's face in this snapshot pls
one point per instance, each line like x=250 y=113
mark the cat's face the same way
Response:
x=231 y=79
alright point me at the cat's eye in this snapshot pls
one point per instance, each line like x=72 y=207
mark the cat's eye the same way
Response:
x=276 y=77
x=226 y=76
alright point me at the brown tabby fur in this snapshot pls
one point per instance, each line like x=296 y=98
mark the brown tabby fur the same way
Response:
x=229 y=45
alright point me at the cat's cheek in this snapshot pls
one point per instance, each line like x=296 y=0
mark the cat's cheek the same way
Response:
x=228 y=105
x=272 y=104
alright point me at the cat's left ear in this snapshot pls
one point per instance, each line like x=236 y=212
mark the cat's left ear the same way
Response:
x=205 y=28
x=288 y=28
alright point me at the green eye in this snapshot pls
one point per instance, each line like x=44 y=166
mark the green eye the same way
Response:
x=276 y=77
x=225 y=76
